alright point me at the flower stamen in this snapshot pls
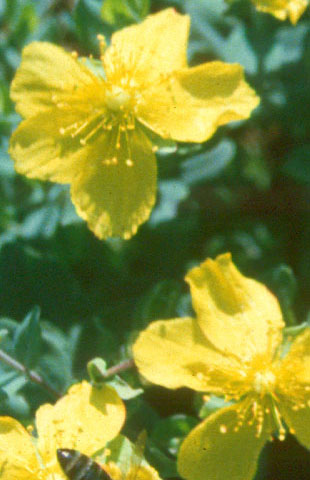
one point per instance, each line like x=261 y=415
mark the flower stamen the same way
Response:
x=276 y=416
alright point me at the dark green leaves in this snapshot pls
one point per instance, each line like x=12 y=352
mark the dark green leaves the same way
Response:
x=27 y=341
x=88 y=23
x=297 y=164
x=246 y=190
x=124 y=12
x=286 y=289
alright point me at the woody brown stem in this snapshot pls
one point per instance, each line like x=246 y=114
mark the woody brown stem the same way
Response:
x=30 y=374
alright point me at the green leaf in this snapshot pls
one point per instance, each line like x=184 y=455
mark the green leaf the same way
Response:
x=124 y=390
x=88 y=22
x=256 y=170
x=96 y=369
x=297 y=165
x=171 y=194
x=28 y=339
x=94 y=65
x=285 y=285
x=3 y=395
x=16 y=406
x=287 y=47
x=125 y=453
x=170 y=432
x=160 y=302
x=56 y=363
x=124 y=12
x=16 y=383
x=211 y=406
x=3 y=333
x=296 y=330
x=121 y=451
x=165 y=466
x=210 y=164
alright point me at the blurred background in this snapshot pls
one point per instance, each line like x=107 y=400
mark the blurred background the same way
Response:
x=66 y=297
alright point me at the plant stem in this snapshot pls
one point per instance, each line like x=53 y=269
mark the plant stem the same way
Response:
x=30 y=374
x=121 y=367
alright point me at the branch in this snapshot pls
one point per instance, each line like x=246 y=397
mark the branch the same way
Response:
x=121 y=367
x=30 y=374
x=97 y=369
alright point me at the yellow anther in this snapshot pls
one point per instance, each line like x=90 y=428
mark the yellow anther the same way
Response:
x=223 y=428
x=102 y=44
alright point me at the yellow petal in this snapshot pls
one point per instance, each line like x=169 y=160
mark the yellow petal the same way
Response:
x=18 y=458
x=151 y=49
x=46 y=71
x=296 y=364
x=213 y=450
x=85 y=419
x=113 y=470
x=117 y=190
x=283 y=9
x=40 y=151
x=142 y=473
x=191 y=104
x=175 y=353
x=294 y=388
x=238 y=315
x=298 y=422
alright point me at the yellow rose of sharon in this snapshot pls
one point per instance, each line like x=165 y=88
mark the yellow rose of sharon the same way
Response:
x=232 y=349
x=283 y=9
x=95 y=131
x=85 y=419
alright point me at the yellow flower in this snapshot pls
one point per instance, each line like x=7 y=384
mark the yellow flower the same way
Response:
x=96 y=131
x=283 y=9
x=141 y=472
x=232 y=349
x=123 y=460
x=85 y=419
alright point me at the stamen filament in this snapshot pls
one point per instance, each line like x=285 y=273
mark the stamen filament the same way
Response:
x=276 y=416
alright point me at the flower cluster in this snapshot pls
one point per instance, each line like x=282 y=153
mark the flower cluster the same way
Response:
x=84 y=420
x=96 y=125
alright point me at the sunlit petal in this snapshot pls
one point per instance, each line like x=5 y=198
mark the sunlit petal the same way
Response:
x=298 y=422
x=214 y=450
x=190 y=105
x=18 y=458
x=296 y=364
x=117 y=190
x=294 y=388
x=40 y=151
x=85 y=419
x=238 y=315
x=175 y=353
x=151 y=49
x=46 y=71
x=283 y=9
x=143 y=472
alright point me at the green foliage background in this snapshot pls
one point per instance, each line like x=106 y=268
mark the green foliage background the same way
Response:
x=247 y=191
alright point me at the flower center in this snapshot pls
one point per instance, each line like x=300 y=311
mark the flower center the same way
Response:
x=117 y=99
x=264 y=382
